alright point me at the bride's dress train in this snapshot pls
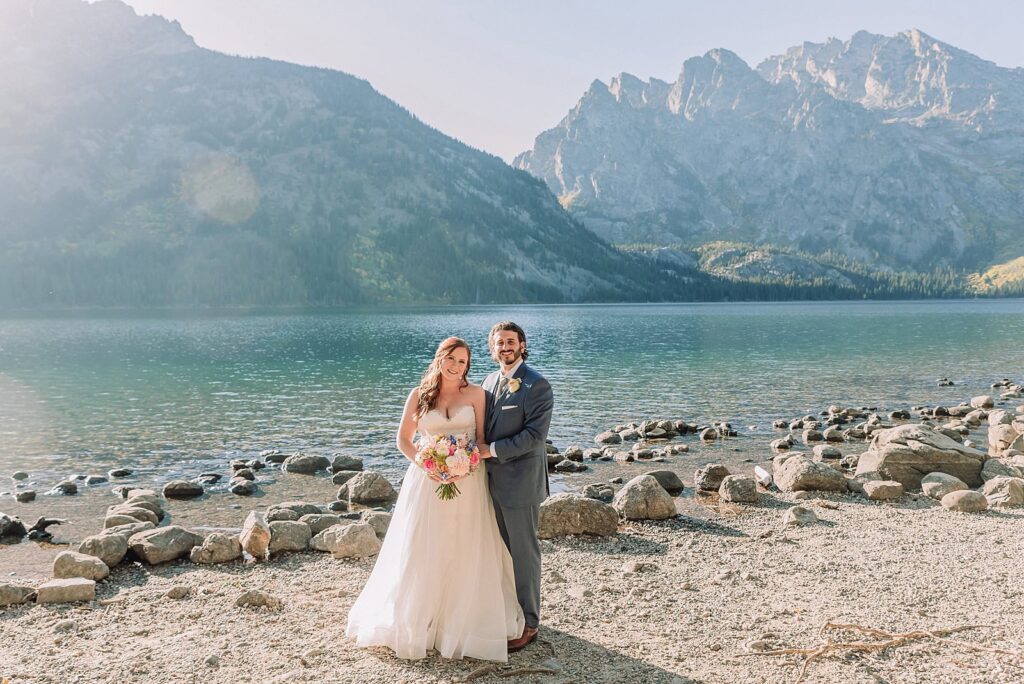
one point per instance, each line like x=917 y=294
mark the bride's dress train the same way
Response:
x=443 y=579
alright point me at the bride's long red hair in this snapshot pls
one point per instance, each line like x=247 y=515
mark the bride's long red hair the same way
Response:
x=430 y=385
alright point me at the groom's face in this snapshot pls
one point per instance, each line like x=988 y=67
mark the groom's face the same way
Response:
x=506 y=347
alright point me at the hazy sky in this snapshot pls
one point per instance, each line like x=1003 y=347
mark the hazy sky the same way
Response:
x=495 y=73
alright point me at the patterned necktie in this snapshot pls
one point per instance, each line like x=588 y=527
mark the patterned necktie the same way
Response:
x=502 y=384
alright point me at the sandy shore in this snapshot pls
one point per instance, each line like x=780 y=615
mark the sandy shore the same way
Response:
x=678 y=601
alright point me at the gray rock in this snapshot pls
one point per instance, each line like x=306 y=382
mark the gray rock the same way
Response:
x=275 y=514
x=601 y=492
x=243 y=487
x=642 y=498
x=19 y=475
x=857 y=482
x=378 y=520
x=65 y=488
x=218 y=547
x=163 y=544
x=356 y=540
x=608 y=437
x=119 y=521
x=127 y=530
x=965 y=501
x=138 y=513
x=25 y=496
x=67 y=590
x=11 y=527
x=567 y=466
x=370 y=488
x=907 y=453
x=709 y=478
x=110 y=549
x=668 y=480
x=255 y=598
x=938 y=485
x=796 y=472
x=150 y=502
x=781 y=444
x=338 y=506
x=883 y=490
x=574 y=453
x=709 y=435
x=289 y=535
x=273 y=456
x=318 y=522
x=300 y=507
x=305 y=464
x=811 y=435
x=798 y=516
x=119 y=472
x=738 y=489
x=182 y=489
x=983 y=402
x=12 y=594
x=833 y=434
x=994 y=468
x=826 y=452
x=1003 y=492
x=564 y=514
x=73 y=564
x=245 y=474
x=340 y=477
x=346 y=462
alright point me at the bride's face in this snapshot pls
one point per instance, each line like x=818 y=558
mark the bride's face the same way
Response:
x=453 y=366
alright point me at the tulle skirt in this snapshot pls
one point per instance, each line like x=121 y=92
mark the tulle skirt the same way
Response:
x=443 y=579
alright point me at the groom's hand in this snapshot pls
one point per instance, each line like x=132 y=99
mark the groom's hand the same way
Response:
x=485 y=451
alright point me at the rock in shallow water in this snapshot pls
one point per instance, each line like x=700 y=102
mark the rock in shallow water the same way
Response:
x=305 y=464
x=182 y=489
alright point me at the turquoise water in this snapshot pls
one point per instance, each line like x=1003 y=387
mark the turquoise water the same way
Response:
x=175 y=394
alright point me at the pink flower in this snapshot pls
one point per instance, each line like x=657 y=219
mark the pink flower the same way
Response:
x=474 y=458
x=429 y=464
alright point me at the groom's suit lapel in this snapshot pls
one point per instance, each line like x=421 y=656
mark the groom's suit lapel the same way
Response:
x=491 y=385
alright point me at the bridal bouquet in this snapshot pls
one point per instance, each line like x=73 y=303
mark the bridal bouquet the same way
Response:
x=447 y=459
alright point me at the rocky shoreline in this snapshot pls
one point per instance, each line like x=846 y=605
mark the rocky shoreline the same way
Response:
x=905 y=474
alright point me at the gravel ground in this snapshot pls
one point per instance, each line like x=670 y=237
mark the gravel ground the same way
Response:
x=680 y=601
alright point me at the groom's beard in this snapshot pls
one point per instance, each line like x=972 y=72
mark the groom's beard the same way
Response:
x=509 y=363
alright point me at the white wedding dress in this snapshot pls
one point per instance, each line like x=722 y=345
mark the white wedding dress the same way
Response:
x=443 y=579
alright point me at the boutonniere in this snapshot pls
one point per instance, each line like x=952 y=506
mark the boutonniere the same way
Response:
x=514 y=384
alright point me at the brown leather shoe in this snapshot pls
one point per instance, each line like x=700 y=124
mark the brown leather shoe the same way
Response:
x=529 y=635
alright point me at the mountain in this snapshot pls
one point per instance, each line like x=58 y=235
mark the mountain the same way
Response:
x=903 y=152
x=137 y=169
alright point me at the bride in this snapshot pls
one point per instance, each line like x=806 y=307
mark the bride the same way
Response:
x=443 y=579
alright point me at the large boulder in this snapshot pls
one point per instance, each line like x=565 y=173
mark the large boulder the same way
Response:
x=709 y=478
x=318 y=522
x=796 y=473
x=73 y=564
x=642 y=498
x=163 y=544
x=305 y=464
x=938 y=485
x=380 y=521
x=907 y=453
x=137 y=512
x=738 y=489
x=369 y=488
x=356 y=540
x=1004 y=491
x=218 y=547
x=182 y=489
x=565 y=514
x=983 y=401
x=126 y=531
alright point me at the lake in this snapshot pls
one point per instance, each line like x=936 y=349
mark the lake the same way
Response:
x=173 y=394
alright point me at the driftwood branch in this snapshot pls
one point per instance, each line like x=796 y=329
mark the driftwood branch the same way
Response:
x=884 y=640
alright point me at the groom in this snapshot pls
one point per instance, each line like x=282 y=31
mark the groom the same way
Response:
x=518 y=416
